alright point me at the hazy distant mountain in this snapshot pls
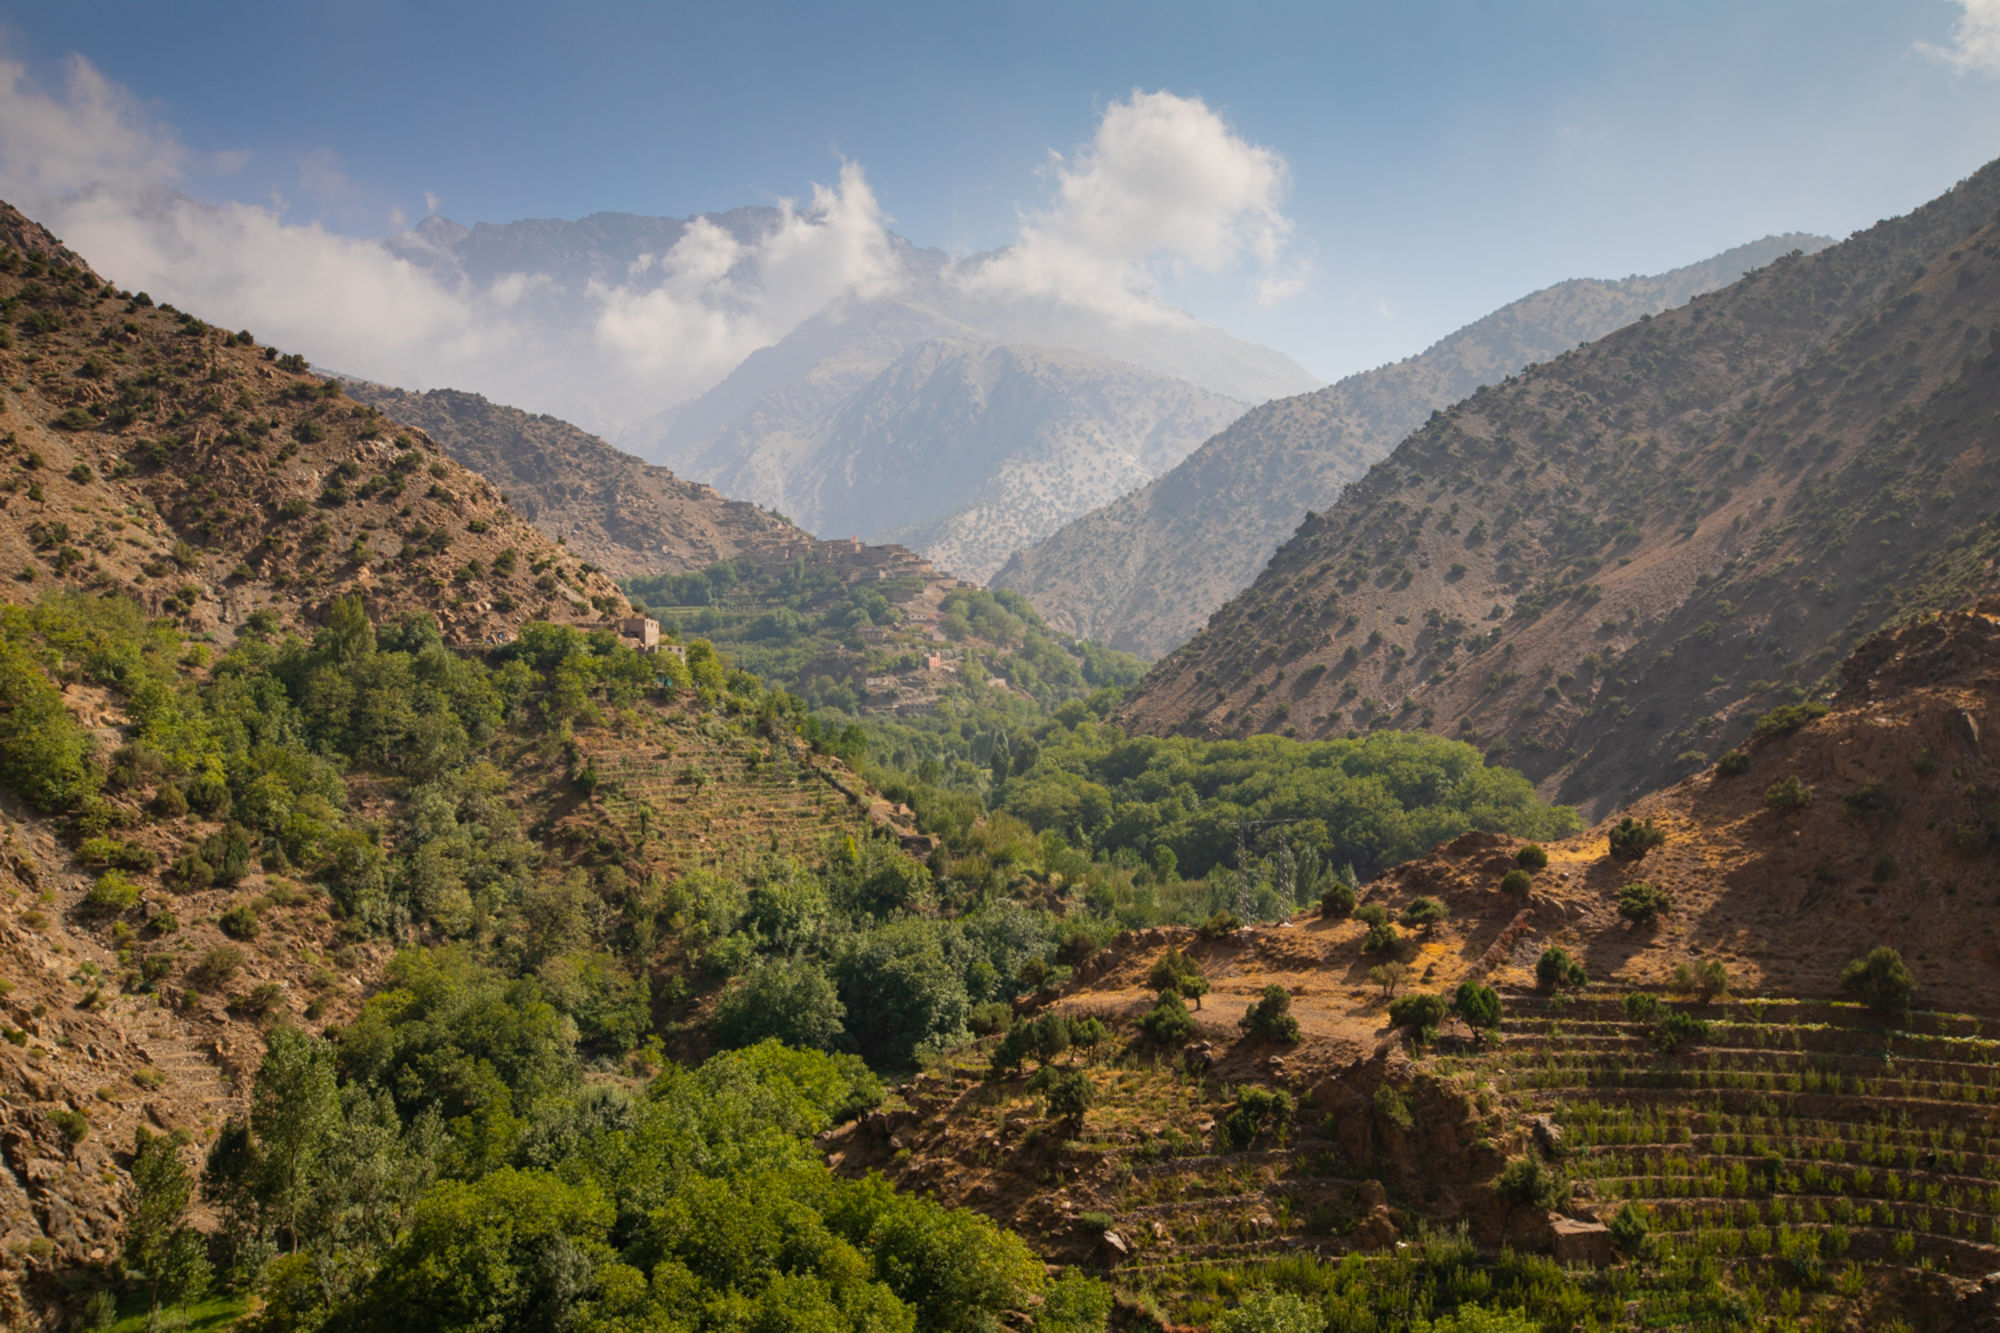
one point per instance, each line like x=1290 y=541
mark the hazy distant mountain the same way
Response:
x=800 y=424
x=1144 y=572
x=965 y=450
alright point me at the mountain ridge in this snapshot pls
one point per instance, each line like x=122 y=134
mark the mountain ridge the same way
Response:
x=1644 y=542
x=1145 y=571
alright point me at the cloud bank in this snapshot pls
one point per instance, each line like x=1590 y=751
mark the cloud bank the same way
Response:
x=1975 y=39
x=1165 y=186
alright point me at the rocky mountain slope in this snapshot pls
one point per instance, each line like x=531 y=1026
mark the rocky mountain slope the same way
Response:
x=150 y=455
x=1607 y=565
x=1144 y=572
x=175 y=498
x=624 y=515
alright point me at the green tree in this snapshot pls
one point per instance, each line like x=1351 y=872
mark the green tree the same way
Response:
x=1477 y=1004
x=1176 y=971
x=294 y=1109
x=1643 y=903
x=1556 y=970
x=1270 y=1019
x=1882 y=980
x=168 y=1257
x=1168 y=1021
x=1422 y=1012
x=789 y=999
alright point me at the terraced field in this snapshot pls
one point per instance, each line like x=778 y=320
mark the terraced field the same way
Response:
x=683 y=791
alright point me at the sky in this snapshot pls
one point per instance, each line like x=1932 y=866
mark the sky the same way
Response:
x=1345 y=182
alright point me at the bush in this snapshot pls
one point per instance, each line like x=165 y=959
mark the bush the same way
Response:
x=1668 y=1028
x=1532 y=857
x=1168 y=1021
x=1526 y=1181
x=1881 y=980
x=1417 y=1011
x=1783 y=721
x=1382 y=938
x=1270 y=1019
x=111 y=895
x=1556 y=970
x=72 y=1125
x=1424 y=913
x=1256 y=1110
x=1732 y=763
x=1630 y=840
x=1630 y=1231
x=1219 y=927
x=216 y=967
x=1337 y=903
x=1477 y=1004
x=1517 y=883
x=1643 y=903
x=240 y=922
x=1268 y=1310
x=1788 y=795
x=1069 y=1094
x=1175 y=971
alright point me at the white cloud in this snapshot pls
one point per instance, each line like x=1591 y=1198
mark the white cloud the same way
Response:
x=1164 y=187
x=1975 y=39
x=92 y=164
x=95 y=133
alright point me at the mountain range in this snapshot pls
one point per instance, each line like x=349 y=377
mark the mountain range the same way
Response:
x=1144 y=572
x=924 y=409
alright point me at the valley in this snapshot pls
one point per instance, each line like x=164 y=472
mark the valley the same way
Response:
x=961 y=797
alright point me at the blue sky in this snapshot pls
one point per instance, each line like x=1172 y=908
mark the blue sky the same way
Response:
x=1440 y=158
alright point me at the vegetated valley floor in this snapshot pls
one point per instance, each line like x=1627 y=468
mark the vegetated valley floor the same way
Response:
x=1819 y=1159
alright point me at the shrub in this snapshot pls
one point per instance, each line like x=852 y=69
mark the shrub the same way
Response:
x=1732 y=763
x=1069 y=1094
x=1424 y=913
x=1517 y=882
x=1788 y=795
x=1270 y=1019
x=1477 y=1004
x=216 y=967
x=1631 y=840
x=1525 y=1180
x=263 y=1000
x=1668 y=1028
x=1643 y=903
x=1256 y=1110
x=1556 y=970
x=240 y=922
x=111 y=895
x=1630 y=1231
x=1168 y=1021
x=1787 y=719
x=1219 y=927
x=1175 y=971
x=1417 y=1011
x=73 y=1125
x=1532 y=857
x=1337 y=903
x=1881 y=980
x=1382 y=938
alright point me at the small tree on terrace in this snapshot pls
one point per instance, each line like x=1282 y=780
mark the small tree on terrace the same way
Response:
x=1478 y=1005
x=1177 y=972
x=1882 y=980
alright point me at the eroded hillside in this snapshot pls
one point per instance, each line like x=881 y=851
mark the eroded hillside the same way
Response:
x=1604 y=567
